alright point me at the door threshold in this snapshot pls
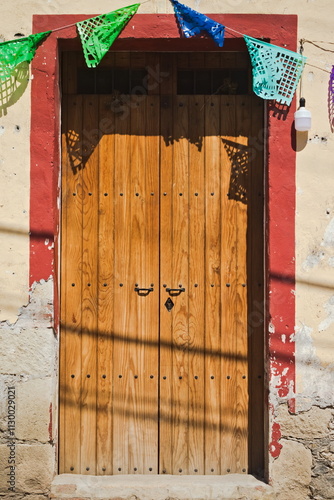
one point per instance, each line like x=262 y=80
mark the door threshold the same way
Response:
x=160 y=487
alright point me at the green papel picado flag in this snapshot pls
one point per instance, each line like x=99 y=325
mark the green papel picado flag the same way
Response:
x=15 y=52
x=98 y=33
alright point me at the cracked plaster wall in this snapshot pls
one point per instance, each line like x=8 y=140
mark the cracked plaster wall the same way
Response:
x=28 y=378
x=29 y=348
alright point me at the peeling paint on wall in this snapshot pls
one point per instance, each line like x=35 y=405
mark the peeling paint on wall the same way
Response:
x=315 y=382
x=29 y=368
x=329 y=308
x=313 y=260
x=328 y=239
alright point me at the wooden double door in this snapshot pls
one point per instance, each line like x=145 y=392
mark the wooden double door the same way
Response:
x=161 y=283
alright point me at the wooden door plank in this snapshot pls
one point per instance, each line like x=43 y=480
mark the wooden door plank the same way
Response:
x=255 y=264
x=105 y=347
x=229 y=285
x=89 y=285
x=62 y=353
x=144 y=266
x=137 y=275
x=167 y=69
x=150 y=329
x=241 y=165
x=65 y=70
x=181 y=63
x=166 y=257
x=71 y=261
x=122 y=59
x=122 y=289
x=182 y=59
x=108 y=60
x=228 y=59
x=197 y=60
x=212 y=147
x=242 y=60
x=213 y=59
x=72 y=61
x=138 y=60
x=179 y=279
x=138 y=360
x=154 y=75
x=196 y=285
x=62 y=319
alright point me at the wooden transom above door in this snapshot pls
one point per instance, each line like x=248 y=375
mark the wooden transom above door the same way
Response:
x=161 y=266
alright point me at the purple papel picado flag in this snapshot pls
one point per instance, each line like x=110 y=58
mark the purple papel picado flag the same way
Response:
x=331 y=85
x=192 y=23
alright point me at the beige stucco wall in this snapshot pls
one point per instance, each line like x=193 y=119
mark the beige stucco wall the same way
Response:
x=28 y=346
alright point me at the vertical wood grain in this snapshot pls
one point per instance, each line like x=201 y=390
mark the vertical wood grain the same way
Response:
x=196 y=317
x=72 y=60
x=256 y=312
x=228 y=289
x=179 y=278
x=122 y=289
x=105 y=255
x=71 y=284
x=62 y=341
x=212 y=147
x=166 y=257
x=122 y=59
x=154 y=74
x=89 y=284
x=161 y=190
x=150 y=367
x=167 y=66
x=241 y=165
x=137 y=275
x=137 y=257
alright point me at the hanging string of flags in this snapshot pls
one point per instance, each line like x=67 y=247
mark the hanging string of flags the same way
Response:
x=276 y=71
x=97 y=34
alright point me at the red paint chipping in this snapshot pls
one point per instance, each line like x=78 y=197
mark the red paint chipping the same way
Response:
x=275 y=446
x=158 y=32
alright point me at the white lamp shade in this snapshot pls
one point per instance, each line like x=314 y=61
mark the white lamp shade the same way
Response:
x=303 y=118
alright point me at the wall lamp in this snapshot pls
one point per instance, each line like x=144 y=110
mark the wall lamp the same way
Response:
x=303 y=117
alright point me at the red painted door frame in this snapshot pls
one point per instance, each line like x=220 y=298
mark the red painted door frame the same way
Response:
x=160 y=32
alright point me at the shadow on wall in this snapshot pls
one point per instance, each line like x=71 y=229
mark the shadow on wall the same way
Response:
x=12 y=89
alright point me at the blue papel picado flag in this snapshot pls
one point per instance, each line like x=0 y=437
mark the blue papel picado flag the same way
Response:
x=192 y=23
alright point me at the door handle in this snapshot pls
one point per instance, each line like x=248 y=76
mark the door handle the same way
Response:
x=175 y=291
x=143 y=291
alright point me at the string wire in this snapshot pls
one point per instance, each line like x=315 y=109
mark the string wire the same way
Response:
x=318 y=46
x=320 y=41
x=74 y=24
x=64 y=27
x=227 y=28
x=235 y=31
x=317 y=67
